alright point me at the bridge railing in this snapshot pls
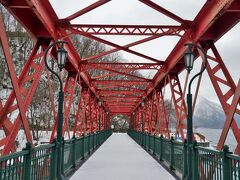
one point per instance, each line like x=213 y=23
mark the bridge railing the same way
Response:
x=40 y=162
x=207 y=163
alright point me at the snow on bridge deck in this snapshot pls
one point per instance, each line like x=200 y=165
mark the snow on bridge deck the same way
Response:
x=120 y=158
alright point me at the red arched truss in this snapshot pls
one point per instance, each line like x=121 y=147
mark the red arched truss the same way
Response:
x=39 y=19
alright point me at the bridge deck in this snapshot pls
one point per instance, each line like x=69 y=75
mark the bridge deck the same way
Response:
x=120 y=158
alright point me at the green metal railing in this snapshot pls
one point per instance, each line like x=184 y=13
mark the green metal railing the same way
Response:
x=207 y=163
x=39 y=163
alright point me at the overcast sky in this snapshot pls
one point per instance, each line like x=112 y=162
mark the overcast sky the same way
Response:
x=134 y=12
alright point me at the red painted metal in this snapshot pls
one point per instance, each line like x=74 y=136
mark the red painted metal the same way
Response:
x=22 y=92
x=69 y=92
x=224 y=98
x=229 y=118
x=79 y=126
x=179 y=104
x=121 y=66
x=118 y=47
x=117 y=96
x=95 y=29
x=87 y=9
x=162 y=10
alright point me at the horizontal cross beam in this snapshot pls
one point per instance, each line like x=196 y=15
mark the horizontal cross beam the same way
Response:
x=122 y=66
x=96 y=29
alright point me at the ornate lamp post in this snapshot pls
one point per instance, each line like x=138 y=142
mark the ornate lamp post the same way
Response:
x=133 y=120
x=62 y=56
x=142 y=103
x=99 y=125
x=189 y=59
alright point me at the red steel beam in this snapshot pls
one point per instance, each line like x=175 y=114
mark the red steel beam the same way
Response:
x=205 y=18
x=229 y=118
x=163 y=11
x=122 y=82
x=96 y=29
x=115 y=71
x=130 y=66
x=118 y=47
x=87 y=9
x=42 y=13
x=113 y=92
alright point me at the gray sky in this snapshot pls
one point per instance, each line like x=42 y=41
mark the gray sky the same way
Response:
x=134 y=12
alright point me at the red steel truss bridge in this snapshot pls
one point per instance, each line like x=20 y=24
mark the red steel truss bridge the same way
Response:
x=41 y=22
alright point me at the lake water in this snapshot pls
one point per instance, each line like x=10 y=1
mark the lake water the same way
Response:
x=213 y=136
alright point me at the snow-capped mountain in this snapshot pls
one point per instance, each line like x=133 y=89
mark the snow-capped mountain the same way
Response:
x=208 y=114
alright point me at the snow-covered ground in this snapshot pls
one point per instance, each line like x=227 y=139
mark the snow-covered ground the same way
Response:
x=44 y=137
x=120 y=158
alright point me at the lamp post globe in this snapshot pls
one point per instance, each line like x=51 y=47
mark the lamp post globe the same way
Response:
x=62 y=56
x=189 y=59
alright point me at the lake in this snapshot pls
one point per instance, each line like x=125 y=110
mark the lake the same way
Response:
x=213 y=136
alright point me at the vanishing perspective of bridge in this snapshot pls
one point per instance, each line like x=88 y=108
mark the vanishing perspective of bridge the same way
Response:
x=152 y=148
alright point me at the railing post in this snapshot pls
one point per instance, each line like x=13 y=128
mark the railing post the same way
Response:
x=89 y=143
x=97 y=138
x=185 y=168
x=144 y=140
x=195 y=162
x=226 y=163
x=83 y=148
x=74 y=151
x=172 y=153
x=53 y=170
x=154 y=141
x=27 y=162
x=161 y=148
x=148 y=141
x=63 y=147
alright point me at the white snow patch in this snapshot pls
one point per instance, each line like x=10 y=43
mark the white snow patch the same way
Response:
x=120 y=158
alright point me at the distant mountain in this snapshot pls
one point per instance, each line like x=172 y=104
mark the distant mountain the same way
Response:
x=208 y=114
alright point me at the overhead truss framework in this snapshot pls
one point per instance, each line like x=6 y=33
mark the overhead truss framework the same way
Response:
x=125 y=94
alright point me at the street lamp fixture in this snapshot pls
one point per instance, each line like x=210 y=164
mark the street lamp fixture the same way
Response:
x=99 y=123
x=189 y=58
x=142 y=103
x=62 y=56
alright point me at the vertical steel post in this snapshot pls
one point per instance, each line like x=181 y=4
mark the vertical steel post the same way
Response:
x=83 y=148
x=154 y=141
x=142 y=128
x=226 y=164
x=161 y=148
x=53 y=170
x=27 y=162
x=190 y=135
x=74 y=151
x=60 y=155
x=185 y=165
x=195 y=162
x=60 y=176
x=172 y=154
x=190 y=112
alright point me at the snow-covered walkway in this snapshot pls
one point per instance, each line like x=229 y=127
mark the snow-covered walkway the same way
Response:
x=120 y=158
